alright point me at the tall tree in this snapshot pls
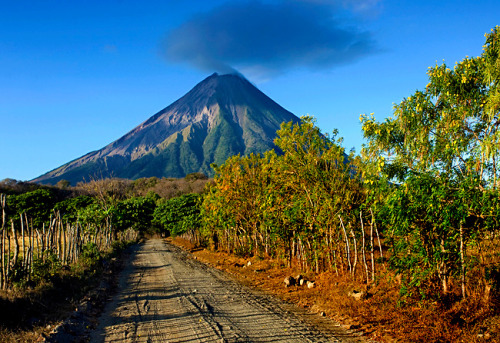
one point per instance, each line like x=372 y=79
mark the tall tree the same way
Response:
x=442 y=144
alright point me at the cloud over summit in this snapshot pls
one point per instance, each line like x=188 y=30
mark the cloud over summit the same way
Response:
x=268 y=38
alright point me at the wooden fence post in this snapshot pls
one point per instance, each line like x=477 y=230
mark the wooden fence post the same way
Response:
x=16 y=251
x=363 y=251
x=23 y=265
x=372 y=252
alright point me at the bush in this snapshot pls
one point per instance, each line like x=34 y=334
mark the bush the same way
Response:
x=178 y=215
x=90 y=255
x=45 y=269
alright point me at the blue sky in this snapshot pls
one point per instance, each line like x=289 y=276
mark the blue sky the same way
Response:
x=77 y=75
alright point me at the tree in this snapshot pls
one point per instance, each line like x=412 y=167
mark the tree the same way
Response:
x=321 y=184
x=135 y=212
x=37 y=204
x=178 y=215
x=70 y=207
x=442 y=145
x=288 y=205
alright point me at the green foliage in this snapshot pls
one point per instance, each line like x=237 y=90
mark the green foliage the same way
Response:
x=425 y=216
x=135 y=212
x=90 y=255
x=278 y=204
x=93 y=216
x=44 y=268
x=18 y=274
x=442 y=145
x=178 y=215
x=70 y=208
x=451 y=127
x=37 y=204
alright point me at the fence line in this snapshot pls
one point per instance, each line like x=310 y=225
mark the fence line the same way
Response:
x=58 y=242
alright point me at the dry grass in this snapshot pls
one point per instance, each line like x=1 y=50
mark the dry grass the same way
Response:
x=381 y=316
x=121 y=189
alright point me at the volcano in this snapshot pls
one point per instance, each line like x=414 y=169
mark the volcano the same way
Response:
x=222 y=116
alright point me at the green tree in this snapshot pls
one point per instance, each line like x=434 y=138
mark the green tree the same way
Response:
x=287 y=205
x=442 y=145
x=37 y=205
x=322 y=185
x=135 y=212
x=70 y=207
x=178 y=215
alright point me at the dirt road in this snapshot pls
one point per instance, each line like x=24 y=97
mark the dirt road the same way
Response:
x=166 y=296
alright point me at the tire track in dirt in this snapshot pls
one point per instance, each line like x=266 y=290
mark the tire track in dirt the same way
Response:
x=166 y=296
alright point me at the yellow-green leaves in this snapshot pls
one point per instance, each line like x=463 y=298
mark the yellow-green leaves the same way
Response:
x=451 y=126
x=442 y=146
x=273 y=202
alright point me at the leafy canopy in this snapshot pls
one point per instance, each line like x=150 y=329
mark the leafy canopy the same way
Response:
x=442 y=145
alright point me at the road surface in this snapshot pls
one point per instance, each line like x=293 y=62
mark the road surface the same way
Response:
x=167 y=296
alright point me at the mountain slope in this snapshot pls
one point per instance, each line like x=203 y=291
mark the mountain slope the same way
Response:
x=221 y=116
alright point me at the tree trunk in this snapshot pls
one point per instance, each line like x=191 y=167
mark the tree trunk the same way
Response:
x=443 y=270
x=378 y=239
x=347 y=248
x=23 y=264
x=64 y=241
x=372 y=252
x=363 y=251
x=43 y=241
x=355 y=252
x=2 y=270
x=462 y=260
x=77 y=243
x=7 y=265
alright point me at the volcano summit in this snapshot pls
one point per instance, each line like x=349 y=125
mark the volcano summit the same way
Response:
x=220 y=117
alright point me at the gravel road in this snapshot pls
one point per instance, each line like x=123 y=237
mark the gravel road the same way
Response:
x=167 y=296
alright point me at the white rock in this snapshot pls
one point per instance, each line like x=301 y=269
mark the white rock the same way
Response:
x=357 y=295
x=289 y=281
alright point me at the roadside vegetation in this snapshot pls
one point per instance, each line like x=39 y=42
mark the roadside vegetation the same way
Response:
x=58 y=242
x=416 y=212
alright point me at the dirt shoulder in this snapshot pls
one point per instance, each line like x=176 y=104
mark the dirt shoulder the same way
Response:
x=380 y=314
x=167 y=295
